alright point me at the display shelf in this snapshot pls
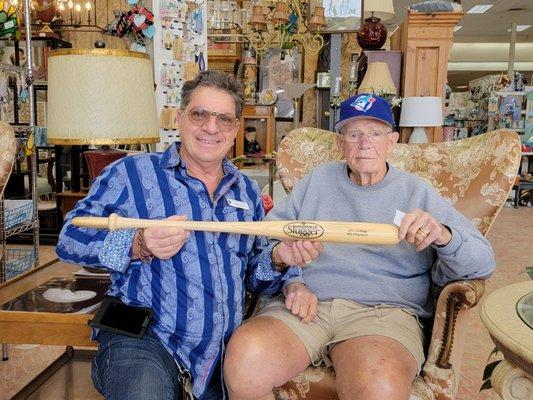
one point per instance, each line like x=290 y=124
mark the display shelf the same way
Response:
x=18 y=261
x=261 y=121
x=22 y=131
x=19 y=228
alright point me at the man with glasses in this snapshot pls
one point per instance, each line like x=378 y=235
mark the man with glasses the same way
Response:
x=192 y=282
x=365 y=316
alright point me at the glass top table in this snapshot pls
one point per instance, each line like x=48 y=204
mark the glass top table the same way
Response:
x=524 y=307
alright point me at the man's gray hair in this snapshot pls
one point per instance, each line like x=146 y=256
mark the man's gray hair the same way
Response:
x=218 y=80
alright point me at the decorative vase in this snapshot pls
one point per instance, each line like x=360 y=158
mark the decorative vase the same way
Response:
x=45 y=11
x=372 y=35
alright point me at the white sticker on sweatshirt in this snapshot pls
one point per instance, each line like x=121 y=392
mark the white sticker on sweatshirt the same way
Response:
x=398 y=217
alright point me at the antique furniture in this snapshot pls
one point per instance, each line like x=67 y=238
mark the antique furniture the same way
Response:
x=426 y=42
x=262 y=118
x=507 y=315
x=30 y=327
x=476 y=175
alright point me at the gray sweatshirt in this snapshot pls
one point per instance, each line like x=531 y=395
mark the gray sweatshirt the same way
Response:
x=387 y=274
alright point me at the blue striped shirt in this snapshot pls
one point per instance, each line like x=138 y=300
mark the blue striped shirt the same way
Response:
x=197 y=295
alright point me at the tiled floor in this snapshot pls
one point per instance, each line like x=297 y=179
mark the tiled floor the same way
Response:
x=512 y=238
x=71 y=382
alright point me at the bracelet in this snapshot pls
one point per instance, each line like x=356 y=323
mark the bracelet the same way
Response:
x=280 y=266
x=145 y=255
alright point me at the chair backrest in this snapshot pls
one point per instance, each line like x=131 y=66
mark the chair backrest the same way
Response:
x=474 y=174
x=8 y=149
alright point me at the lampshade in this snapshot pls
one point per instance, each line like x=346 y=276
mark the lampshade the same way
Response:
x=382 y=9
x=100 y=97
x=421 y=111
x=377 y=80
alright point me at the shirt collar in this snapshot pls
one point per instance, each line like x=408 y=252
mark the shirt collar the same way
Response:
x=171 y=159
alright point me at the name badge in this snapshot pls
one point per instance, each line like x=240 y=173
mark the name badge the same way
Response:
x=238 y=204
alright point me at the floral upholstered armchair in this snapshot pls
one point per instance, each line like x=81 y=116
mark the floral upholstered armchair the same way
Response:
x=476 y=175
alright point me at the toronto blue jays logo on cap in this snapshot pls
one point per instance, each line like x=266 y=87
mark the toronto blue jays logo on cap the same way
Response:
x=363 y=103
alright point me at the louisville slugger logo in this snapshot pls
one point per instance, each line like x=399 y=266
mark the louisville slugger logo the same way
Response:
x=307 y=230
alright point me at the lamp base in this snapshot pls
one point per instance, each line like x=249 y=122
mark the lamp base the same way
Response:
x=97 y=160
x=418 y=135
x=372 y=35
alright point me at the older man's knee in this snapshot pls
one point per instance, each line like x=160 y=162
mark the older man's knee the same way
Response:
x=245 y=352
x=385 y=382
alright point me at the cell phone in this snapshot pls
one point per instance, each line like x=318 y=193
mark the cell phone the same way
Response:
x=117 y=317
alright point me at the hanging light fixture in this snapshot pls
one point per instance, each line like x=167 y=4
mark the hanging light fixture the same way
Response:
x=286 y=25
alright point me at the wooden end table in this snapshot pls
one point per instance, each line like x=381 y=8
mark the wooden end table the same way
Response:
x=512 y=379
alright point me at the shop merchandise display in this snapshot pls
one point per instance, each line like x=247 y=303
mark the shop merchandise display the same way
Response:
x=251 y=145
x=180 y=52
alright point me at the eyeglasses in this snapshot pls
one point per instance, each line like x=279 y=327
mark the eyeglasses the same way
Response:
x=200 y=117
x=372 y=136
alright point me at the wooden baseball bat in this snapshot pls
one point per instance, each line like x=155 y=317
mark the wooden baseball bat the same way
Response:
x=324 y=231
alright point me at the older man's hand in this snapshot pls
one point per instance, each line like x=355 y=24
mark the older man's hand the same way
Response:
x=299 y=253
x=164 y=242
x=421 y=229
x=301 y=301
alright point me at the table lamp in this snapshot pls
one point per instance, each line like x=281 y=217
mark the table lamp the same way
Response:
x=295 y=90
x=419 y=112
x=100 y=97
x=377 y=80
x=373 y=34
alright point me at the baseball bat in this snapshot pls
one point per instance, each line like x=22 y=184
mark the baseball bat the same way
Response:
x=324 y=231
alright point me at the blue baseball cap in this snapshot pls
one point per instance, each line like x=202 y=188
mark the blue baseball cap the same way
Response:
x=365 y=105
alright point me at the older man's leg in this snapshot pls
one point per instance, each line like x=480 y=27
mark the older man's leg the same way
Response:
x=373 y=368
x=262 y=354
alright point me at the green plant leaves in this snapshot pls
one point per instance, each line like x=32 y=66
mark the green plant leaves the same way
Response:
x=489 y=369
x=486 y=385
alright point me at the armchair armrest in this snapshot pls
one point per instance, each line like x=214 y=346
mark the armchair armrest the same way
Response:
x=456 y=296
x=442 y=368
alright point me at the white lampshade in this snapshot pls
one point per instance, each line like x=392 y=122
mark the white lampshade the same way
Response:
x=419 y=112
x=382 y=9
x=377 y=80
x=100 y=97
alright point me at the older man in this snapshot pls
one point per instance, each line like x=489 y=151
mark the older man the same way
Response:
x=370 y=298
x=193 y=282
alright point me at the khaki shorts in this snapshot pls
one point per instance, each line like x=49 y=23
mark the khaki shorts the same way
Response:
x=340 y=320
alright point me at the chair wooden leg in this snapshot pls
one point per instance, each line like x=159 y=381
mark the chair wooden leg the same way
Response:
x=5 y=354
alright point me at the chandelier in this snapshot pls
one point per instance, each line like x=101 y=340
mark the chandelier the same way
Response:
x=286 y=24
x=55 y=13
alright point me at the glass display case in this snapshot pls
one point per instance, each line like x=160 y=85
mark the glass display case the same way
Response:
x=257 y=132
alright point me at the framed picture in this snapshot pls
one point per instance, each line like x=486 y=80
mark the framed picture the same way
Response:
x=223 y=47
x=322 y=80
x=278 y=67
x=341 y=15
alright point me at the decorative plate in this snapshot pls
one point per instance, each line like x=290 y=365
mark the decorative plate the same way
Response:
x=268 y=97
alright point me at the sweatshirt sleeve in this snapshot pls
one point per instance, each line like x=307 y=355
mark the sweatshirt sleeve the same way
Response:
x=468 y=255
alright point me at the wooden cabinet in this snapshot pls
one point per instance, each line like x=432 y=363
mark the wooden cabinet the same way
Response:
x=426 y=42
x=261 y=118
